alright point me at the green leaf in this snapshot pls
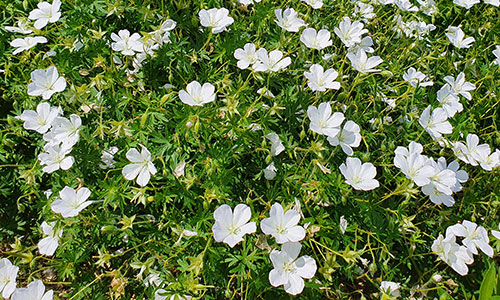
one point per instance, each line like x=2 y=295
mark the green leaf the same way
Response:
x=489 y=282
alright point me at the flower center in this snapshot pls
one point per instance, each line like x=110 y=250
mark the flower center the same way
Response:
x=234 y=229
x=289 y=267
x=280 y=229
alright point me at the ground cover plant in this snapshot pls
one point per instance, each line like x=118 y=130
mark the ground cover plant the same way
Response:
x=249 y=149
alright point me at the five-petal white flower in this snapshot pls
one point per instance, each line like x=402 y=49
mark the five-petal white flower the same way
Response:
x=34 y=291
x=288 y=19
x=289 y=270
x=283 y=226
x=316 y=39
x=320 y=80
x=27 y=43
x=141 y=166
x=72 y=202
x=215 y=18
x=46 y=82
x=359 y=176
x=230 y=227
x=197 y=94
x=45 y=13
x=49 y=244
x=322 y=120
x=41 y=119
x=8 y=275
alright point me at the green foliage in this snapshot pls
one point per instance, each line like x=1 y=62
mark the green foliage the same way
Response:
x=113 y=246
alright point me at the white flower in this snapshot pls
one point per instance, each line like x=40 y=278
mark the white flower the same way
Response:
x=125 y=43
x=365 y=44
x=319 y=80
x=54 y=158
x=141 y=166
x=441 y=185
x=459 y=86
x=496 y=233
x=22 y=28
x=390 y=288
x=41 y=119
x=456 y=256
x=496 y=52
x=276 y=145
x=362 y=63
x=265 y=92
x=46 y=82
x=316 y=4
x=283 y=226
x=45 y=13
x=107 y=158
x=288 y=19
x=413 y=164
x=8 y=275
x=322 y=120
x=273 y=61
x=348 y=138
x=27 y=43
x=471 y=153
x=196 y=94
x=289 y=270
x=270 y=171
x=364 y=11
x=449 y=101
x=493 y=2
x=316 y=40
x=49 y=244
x=245 y=56
x=343 y=224
x=215 y=18
x=405 y=5
x=474 y=236
x=414 y=78
x=359 y=176
x=248 y=2
x=350 y=33
x=456 y=37
x=34 y=291
x=230 y=227
x=465 y=3
x=436 y=124
x=66 y=131
x=71 y=202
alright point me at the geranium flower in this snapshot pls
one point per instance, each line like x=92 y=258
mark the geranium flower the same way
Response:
x=196 y=94
x=322 y=120
x=273 y=61
x=289 y=270
x=316 y=4
x=459 y=86
x=449 y=101
x=107 y=158
x=270 y=171
x=276 y=145
x=413 y=164
x=350 y=33
x=245 y=56
x=316 y=40
x=288 y=19
x=215 y=18
x=474 y=236
x=436 y=124
x=34 y=291
x=362 y=63
x=72 y=202
x=319 y=80
x=348 y=137
x=22 y=27
x=45 y=13
x=365 y=44
x=141 y=166
x=125 y=43
x=359 y=176
x=416 y=78
x=66 y=131
x=390 y=288
x=41 y=119
x=230 y=227
x=46 y=82
x=466 y=3
x=55 y=158
x=457 y=37
x=27 y=43
x=49 y=244
x=364 y=11
x=343 y=224
x=283 y=226
x=456 y=256
x=8 y=275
